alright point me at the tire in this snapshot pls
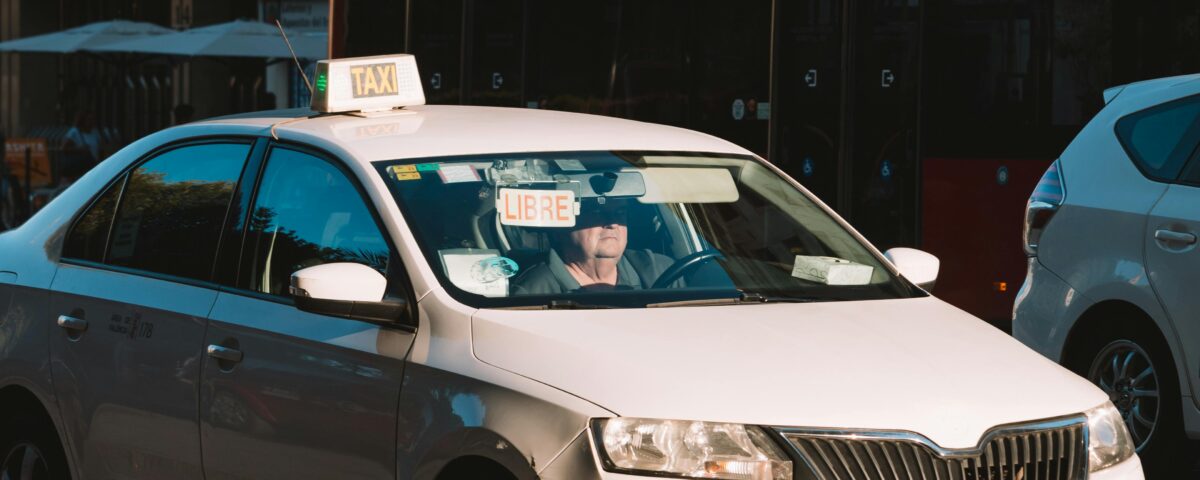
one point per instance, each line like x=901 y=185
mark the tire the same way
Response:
x=1134 y=367
x=30 y=450
x=475 y=468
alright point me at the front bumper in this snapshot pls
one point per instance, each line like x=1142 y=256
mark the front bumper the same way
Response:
x=580 y=460
x=1128 y=470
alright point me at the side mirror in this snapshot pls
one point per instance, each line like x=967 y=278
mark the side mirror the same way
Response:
x=348 y=290
x=916 y=266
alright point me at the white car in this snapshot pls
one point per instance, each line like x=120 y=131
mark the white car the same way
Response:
x=460 y=292
x=1113 y=271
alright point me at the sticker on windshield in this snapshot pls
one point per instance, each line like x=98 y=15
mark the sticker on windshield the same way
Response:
x=570 y=165
x=427 y=167
x=491 y=269
x=458 y=174
x=536 y=208
x=482 y=272
x=831 y=270
x=404 y=172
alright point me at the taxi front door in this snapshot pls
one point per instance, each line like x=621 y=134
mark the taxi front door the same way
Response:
x=286 y=393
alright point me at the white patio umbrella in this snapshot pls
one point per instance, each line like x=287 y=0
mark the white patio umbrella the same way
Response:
x=239 y=38
x=90 y=35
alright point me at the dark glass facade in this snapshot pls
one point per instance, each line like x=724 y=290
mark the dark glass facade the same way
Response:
x=924 y=123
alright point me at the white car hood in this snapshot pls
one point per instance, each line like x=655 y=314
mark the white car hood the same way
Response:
x=917 y=365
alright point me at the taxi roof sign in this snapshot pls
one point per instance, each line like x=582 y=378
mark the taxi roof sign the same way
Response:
x=367 y=84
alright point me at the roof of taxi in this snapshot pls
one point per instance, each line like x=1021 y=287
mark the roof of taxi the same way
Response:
x=446 y=130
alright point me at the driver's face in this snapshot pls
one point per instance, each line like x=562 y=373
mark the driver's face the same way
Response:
x=600 y=233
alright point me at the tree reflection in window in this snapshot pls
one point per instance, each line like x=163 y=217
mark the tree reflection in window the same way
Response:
x=307 y=214
x=170 y=217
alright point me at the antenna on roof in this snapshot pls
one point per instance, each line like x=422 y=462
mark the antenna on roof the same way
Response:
x=297 y=60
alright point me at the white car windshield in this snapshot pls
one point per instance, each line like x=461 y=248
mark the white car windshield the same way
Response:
x=628 y=229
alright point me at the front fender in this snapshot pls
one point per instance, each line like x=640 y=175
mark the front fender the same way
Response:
x=516 y=422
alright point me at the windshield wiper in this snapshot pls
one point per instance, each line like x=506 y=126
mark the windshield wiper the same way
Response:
x=563 y=305
x=745 y=298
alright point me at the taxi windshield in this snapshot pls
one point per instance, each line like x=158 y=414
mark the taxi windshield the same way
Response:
x=628 y=229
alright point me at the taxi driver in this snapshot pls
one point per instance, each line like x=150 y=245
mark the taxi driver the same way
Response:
x=592 y=255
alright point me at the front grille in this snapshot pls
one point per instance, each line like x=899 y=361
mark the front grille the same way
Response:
x=1048 y=451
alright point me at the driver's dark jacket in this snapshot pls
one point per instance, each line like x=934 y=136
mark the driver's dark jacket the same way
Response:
x=637 y=269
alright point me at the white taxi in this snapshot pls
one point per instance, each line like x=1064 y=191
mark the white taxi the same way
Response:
x=381 y=289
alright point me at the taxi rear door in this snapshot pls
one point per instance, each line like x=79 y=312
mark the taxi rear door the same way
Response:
x=131 y=299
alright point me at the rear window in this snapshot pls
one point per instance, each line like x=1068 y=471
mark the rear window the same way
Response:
x=1161 y=139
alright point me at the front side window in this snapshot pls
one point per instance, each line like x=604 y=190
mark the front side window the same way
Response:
x=306 y=213
x=171 y=211
x=1161 y=139
x=628 y=229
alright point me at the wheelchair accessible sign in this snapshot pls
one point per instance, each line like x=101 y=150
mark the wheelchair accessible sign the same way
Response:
x=536 y=208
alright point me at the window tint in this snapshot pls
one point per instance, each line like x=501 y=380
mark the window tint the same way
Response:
x=1161 y=139
x=307 y=213
x=89 y=235
x=171 y=214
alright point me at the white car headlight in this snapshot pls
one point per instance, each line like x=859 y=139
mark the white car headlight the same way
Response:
x=1109 y=442
x=689 y=449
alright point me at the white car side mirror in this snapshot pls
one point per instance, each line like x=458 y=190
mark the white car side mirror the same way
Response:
x=916 y=266
x=348 y=290
x=347 y=282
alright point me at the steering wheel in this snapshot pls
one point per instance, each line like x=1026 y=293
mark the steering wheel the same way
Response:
x=684 y=266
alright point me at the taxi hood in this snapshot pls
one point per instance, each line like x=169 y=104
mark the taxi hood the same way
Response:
x=917 y=365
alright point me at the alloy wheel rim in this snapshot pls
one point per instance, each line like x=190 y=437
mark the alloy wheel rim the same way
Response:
x=24 y=461
x=1127 y=374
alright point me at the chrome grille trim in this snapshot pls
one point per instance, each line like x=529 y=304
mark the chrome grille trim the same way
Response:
x=1053 y=449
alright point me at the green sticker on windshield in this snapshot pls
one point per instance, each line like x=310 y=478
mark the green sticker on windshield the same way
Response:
x=427 y=167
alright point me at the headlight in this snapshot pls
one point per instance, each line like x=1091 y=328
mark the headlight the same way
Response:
x=1108 y=440
x=689 y=449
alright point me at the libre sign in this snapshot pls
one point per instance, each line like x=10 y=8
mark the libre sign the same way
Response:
x=536 y=208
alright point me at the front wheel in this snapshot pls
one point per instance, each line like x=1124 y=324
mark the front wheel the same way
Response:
x=1136 y=371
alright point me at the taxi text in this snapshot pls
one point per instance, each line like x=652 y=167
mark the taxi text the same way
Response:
x=374 y=79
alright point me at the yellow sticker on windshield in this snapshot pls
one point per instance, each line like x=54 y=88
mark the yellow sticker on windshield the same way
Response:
x=404 y=172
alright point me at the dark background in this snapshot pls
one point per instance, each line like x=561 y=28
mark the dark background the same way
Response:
x=924 y=123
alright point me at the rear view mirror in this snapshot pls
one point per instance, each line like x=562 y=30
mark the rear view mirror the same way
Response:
x=347 y=290
x=916 y=266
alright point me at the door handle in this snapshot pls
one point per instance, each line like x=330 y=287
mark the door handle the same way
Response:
x=1174 y=237
x=225 y=353
x=72 y=323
